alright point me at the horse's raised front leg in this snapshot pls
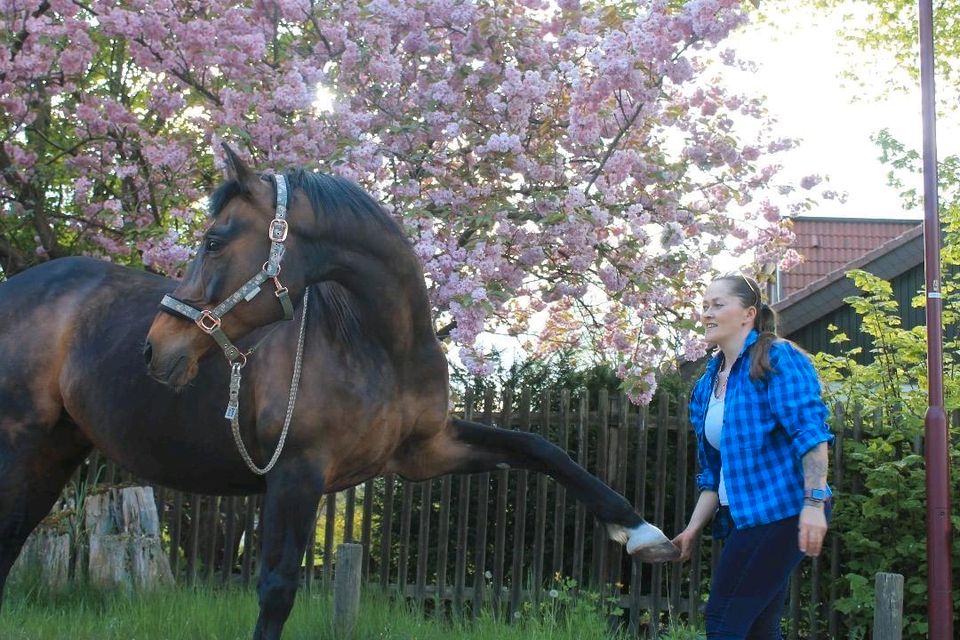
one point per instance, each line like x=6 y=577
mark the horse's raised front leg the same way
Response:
x=293 y=493
x=468 y=447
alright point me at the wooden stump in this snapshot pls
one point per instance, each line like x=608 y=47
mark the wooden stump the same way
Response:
x=45 y=556
x=888 y=607
x=124 y=533
x=346 y=589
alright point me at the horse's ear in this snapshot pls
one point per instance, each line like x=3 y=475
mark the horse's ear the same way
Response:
x=236 y=169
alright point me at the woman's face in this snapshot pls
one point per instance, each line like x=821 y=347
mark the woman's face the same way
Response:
x=724 y=317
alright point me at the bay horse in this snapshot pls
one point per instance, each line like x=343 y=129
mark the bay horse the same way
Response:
x=369 y=396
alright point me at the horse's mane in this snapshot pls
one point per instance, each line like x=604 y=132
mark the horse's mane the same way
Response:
x=337 y=314
x=330 y=196
x=339 y=200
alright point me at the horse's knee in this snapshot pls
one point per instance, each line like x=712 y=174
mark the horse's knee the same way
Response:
x=277 y=593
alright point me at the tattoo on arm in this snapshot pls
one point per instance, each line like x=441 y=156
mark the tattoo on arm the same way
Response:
x=815 y=467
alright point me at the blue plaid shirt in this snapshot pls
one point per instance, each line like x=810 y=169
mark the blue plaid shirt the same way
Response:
x=768 y=425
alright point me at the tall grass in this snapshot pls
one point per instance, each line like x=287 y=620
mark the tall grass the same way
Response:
x=230 y=614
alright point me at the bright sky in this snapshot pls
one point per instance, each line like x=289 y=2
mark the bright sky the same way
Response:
x=801 y=63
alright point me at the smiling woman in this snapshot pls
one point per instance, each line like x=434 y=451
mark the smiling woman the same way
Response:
x=762 y=444
x=725 y=317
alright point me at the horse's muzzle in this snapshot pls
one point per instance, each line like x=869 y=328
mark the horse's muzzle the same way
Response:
x=174 y=371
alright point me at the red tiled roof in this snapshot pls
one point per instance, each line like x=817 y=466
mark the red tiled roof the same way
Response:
x=827 y=244
x=822 y=296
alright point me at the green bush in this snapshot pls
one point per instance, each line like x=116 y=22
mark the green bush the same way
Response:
x=880 y=512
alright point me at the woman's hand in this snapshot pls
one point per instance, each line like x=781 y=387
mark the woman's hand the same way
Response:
x=813 y=528
x=684 y=541
x=702 y=514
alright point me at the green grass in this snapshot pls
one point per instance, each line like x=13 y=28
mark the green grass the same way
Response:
x=230 y=614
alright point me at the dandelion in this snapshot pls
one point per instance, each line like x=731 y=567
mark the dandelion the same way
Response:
x=487 y=575
x=553 y=593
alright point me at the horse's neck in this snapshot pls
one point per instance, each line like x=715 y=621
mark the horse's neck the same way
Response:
x=389 y=302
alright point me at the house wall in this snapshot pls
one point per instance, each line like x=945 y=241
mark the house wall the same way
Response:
x=815 y=337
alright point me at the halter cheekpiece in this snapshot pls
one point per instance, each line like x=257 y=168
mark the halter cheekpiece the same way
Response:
x=209 y=320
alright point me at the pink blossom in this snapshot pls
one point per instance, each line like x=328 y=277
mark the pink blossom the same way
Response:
x=538 y=157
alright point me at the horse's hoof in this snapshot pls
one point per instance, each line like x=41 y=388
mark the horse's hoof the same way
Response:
x=649 y=544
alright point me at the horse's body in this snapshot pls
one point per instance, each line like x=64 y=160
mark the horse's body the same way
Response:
x=373 y=397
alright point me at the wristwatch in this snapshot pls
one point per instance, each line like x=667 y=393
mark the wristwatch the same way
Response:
x=815 y=495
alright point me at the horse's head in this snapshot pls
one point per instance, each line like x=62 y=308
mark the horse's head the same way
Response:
x=234 y=284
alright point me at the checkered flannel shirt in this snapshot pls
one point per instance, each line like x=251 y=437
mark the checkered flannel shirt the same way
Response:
x=768 y=425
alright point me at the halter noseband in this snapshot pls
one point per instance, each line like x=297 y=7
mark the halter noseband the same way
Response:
x=209 y=319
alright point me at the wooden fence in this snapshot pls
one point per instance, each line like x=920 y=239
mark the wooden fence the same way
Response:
x=498 y=539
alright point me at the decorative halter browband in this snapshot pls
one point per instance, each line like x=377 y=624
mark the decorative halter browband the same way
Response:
x=209 y=319
x=209 y=322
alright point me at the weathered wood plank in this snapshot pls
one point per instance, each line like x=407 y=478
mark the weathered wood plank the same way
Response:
x=888 y=607
x=560 y=493
x=463 y=523
x=540 y=523
x=500 y=516
x=520 y=517
x=212 y=529
x=580 y=515
x=423 y=537
x=311 y=553
x=443 y=535
x=483 y=504
x=406 y=517
x=229 y=540
x=656 y=576
x=346 y=590
x=839 y=419
x=679 y=500
x=386 y=531
x=176 y=522
x=349 y=513
x=194 y=544
x=366 y=527
x=329 y=533
x=598 y=566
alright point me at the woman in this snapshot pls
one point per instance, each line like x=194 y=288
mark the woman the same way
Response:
x=762 y=443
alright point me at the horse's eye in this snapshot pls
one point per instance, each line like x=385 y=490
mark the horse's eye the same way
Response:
x=213 y=244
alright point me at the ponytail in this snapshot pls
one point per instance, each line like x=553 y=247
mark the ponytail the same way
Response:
x=766 y=324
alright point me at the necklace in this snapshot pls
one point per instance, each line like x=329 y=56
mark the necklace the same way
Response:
x=721 y=387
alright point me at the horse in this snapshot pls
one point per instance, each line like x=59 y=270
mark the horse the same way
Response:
x=355 y=385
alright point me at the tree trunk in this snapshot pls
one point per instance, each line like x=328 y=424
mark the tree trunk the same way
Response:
x=124 y=533
x=46 y=557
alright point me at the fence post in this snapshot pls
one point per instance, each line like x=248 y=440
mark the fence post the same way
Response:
x=346 y=588
x=888 y=607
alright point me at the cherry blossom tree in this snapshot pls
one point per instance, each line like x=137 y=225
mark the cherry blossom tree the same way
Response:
x=567 y=169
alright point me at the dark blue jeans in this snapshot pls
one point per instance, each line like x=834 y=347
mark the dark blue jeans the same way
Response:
x=750 y=583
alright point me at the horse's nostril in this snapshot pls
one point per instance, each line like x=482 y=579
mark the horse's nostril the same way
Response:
x=147 y=352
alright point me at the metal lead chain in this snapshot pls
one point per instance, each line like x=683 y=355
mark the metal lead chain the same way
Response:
x=291 y=402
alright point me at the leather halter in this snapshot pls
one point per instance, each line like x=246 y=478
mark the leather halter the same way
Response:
x=209 y=320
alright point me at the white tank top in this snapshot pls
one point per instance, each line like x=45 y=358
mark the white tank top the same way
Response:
x=712 y=428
